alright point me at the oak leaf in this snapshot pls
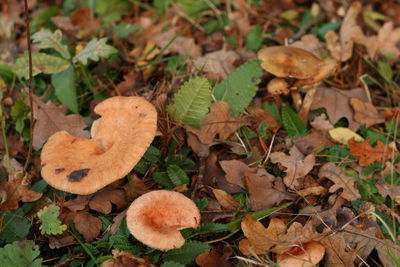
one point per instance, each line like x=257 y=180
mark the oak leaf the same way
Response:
x=297 y=166
x=369 y=154
x=12 y=191
x=337 y=251
x=218 y=121
x=87 y=225
x=103 y=200
x=235 y=171
x=50 y=118
x=366 y=113
x=219 y=62
x=341 y=180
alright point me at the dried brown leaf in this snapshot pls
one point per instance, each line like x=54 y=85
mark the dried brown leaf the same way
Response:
x=181 y=45
x=215 y=258
x=13 y=191
x=225 y=199
x=337 y=251
x=103 y=200
x=385 y=42
x=369 y=154
x=219 y=62
x=235 y=171
x=87 y=225
x=366 y=113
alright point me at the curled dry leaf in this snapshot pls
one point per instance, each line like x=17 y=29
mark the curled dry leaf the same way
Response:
x=297 y=166
x=87 y=225
x=51 y=118
x=341 y=180
x=341 y=47
x=218 y=121
x=76 y=204
x=12 y=192
x=337 y=103
x=215 y=258
x=103 y=200
x=225 y=199
x=385 y=42
x=366 y=113
x=219 y=62
x=369 y=154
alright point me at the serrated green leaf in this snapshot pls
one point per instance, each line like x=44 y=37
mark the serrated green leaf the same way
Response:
x=41 y=63
x=372 y=168
x=172 y=264
x=14 y=226
x=273 y=110
x=254 y=38
x=112 y=10
x=191 y=102
x=47 y=39
x=163 y=179
x=292 y=123
x=64 y=85
x=177 y=175
x=94 y=50
x=210 y=228
x=239 y=88
x=50 y=224
x=187 y=253
x=25 y=255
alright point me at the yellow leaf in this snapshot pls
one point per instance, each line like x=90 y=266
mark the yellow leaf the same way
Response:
x=343 y=135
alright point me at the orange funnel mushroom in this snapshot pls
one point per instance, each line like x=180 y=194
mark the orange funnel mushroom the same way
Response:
x=119 y=139
x=155 y=218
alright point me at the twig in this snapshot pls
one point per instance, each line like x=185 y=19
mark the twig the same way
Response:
x=28 y=39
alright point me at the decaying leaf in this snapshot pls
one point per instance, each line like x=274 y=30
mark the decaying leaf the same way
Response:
x=219 y=62
x=385 y=42
x=87 y=225
x=103 y=200
x=12 y=192
x=337 y=251
x=369 y=154
x=337 y=103
x=313 y=142
x=235 y=171
x=51 y=118
x=218 y=121
x=181 y=45
x=341 y=47
x=341 y=180
x=366 y=113
x=343 y=135
x=225 y=199
x=215 y=258
x=297 y=166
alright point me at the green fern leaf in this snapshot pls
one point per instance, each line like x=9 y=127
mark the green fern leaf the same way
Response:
x=292 y=123
x=20 y=256
x=191 y=102
x=239 y=88
x=177 y=175
x=187 y=253
x=50 y=224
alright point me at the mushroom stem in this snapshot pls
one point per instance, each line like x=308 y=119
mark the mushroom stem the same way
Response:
x=296 y=99
x=308 y=99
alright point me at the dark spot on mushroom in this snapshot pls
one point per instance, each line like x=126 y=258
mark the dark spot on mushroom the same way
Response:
x=142 y=115
x=73 y=140
x=77 y=175
x=60 y=170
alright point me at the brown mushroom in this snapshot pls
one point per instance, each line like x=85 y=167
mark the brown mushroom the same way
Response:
x=307 y=255
x=277 y=87
x=302 y=65
x=119 y=139
x=155 y=218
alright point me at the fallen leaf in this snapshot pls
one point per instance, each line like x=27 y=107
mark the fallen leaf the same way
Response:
x=225 y=199
x=369 y=154
x=181 y=45
x=51 y=118
x=385 y=42
x=313 y=142
x=337 y=103
x=362 y=241
x=315 y=190
x=76 y=204
x=235 y=171
x=366 y=113
x=262 y=115
x=87 y=225
x=297 y=166
x=321 y=123
x=129 y=82
x=305 y=255
x=103 y=200
x=113 y=228
x=126 y=259
x=341 y=47
x=10 y=16
x=310 y=43
x=337 y=251
x=343 y=135
x=56 y=242
x=341 y=180
x=218 y=121
x=215 y=258
x=13 y=191
x=388 y=252
x=219 y=62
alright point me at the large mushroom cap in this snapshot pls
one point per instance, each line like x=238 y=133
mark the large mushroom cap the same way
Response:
x=289 y=62
x=155 y=218
x=119 y=139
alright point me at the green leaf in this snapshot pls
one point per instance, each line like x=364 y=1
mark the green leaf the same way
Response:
x=385 y=71
x=163 y=179
x=273 y=110
x=94 y=50
x=292 y=123
x=14 y=226
x=191 y=102
x=172 y=264
x=239 y=88
x=124 y=29
x=372 y=168
x=64 y=84
x=25 y=255
x=50 y=224
x=112 y=10
x=254 y=38
x=177 y=175
x=41 y=63
x=338 y=154
x=187 y=253
x=210 y=228
x=46 y=39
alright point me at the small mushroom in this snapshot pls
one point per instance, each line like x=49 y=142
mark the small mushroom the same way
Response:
x=308 y=255
x=302 y=65
x=155 y=218
x=119 y=139
x=277 y=87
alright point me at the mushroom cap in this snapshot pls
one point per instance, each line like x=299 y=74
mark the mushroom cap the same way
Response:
x=155 y=218
x=308 y=255
x=289 y=62
x=119 y=139
x=278 y=86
